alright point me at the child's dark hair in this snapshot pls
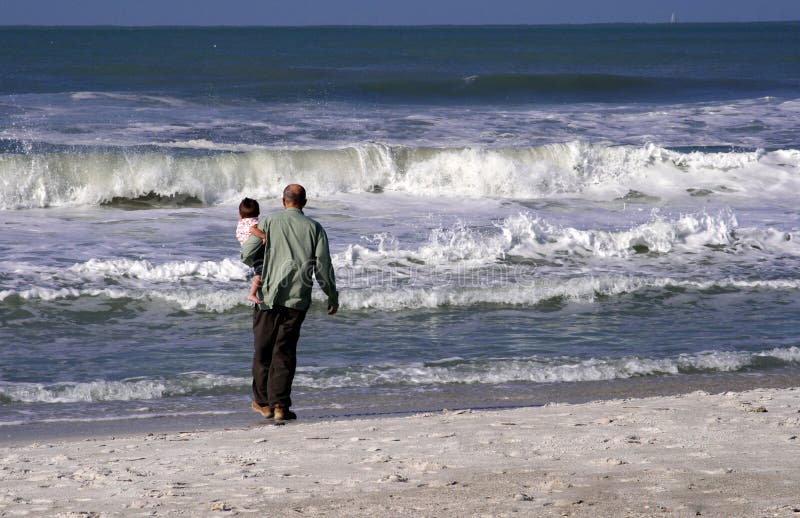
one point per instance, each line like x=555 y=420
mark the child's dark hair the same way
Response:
x=249 y=208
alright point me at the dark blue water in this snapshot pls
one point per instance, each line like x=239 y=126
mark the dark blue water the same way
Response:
x=426 y=65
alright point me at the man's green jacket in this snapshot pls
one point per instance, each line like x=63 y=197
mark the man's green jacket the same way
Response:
x=296 y=252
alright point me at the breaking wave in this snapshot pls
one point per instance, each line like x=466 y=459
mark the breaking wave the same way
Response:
x=528 y=292
x=455 y=370
x=544 y=370
x=152 y=177
x=191 y=383
x=523 y=260
x=527 y=235
x=225 y=270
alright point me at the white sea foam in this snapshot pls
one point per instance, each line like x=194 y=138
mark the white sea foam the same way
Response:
x=525 y=235
x=521 y=260
x=225 y=270
x=534 y=291
x=459 y=266
x=123 y=390
x=576 y=290
x=530 y=236
x=573 y=169
x=203 y=299
x=540 y=370
x=455 y=370
x=788 y=354
x=527 y=292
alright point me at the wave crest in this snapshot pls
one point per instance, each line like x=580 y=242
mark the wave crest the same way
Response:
x=145 y=177
x=388 y=297
x=528 y=235
x=545 y=370
x=454 y=370
x=225 y=270
x=191 y=383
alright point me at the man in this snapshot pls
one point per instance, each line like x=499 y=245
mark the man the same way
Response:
x=296 y=249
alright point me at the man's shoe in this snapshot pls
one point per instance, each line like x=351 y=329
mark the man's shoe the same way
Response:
x=265 y=411
x=284 y=414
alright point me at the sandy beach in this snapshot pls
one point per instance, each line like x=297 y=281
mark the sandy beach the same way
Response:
x=730 y=454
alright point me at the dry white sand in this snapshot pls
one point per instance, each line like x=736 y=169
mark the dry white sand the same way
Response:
x=732 y=454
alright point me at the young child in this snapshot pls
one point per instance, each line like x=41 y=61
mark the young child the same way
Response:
x=248 y=219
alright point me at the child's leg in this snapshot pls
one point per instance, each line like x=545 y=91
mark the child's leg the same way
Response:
x=254 y=285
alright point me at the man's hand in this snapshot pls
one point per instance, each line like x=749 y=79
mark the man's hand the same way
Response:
x=332 y=310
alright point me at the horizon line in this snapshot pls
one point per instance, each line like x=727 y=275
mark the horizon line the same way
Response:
x=420 y=25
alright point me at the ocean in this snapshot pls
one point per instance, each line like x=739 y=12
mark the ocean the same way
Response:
x=517 y=215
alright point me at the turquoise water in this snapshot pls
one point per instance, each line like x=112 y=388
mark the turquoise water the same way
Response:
x=516 y=213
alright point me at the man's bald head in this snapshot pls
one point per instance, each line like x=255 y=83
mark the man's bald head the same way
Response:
x=294 y=195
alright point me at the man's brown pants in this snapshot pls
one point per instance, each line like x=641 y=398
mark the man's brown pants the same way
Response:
x=275 y=335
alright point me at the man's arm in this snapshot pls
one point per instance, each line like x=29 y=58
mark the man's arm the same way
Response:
x=252 y=245
x=255 y=231
x=323 y=271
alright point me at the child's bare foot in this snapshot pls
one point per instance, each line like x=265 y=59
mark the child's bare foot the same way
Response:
x=254 y=299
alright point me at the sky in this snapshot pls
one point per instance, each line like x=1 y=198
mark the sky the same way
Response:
x=386 y=12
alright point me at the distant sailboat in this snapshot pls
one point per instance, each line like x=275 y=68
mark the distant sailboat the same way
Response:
x=673 y=18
